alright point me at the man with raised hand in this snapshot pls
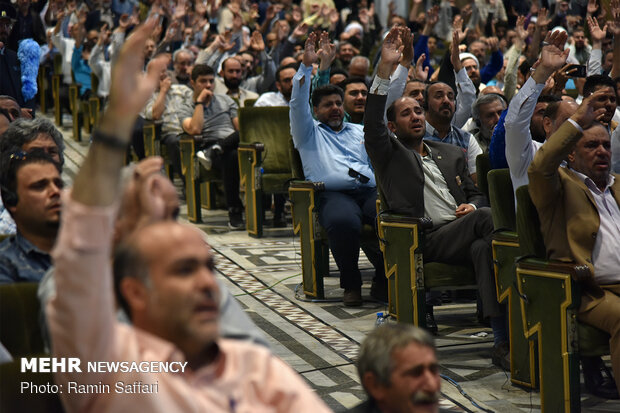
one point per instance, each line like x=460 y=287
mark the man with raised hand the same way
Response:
x=332 y=151
x=520 y=147
x=579 y=209
x=424 y=178
x=164 y=276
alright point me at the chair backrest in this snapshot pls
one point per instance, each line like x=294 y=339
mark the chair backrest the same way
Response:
x=14 y=400
x=270 y=126
x=20 y=331
x=248 y=103
x=58 y=64
x=531 y=240
x=501 y=197
x=94 y=83
x=296 y=167
x=483 y=166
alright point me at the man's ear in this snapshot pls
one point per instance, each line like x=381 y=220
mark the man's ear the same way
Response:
x=375 y=389
x=135 y=294
x=547 y=123
x=571 y=157
x=391 y=126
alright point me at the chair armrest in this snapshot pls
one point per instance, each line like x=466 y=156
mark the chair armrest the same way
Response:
x=578 y=273
x=423 y=222
x=257 y=146
x=317 y=186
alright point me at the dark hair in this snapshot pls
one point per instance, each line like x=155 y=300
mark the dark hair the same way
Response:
x=548 y=99
x=128 y=262
x=338 y=71
x=390 y=113
x=524 y=67
x=425 y=92
x=343 y=85
x=289 y=66
x=227 y=59
x=5 y=113
x=326 y=90
x=12 y=161
x=595 y=81
x=202 y=70
x=23 y=131
x=552 y=109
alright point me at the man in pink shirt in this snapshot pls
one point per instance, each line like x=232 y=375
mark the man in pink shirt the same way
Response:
x=164 y=277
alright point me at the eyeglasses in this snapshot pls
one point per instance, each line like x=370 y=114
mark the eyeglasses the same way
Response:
x=362 y=178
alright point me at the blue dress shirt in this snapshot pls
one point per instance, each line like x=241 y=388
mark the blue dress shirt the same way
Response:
x=20 y=261
x=327 y=155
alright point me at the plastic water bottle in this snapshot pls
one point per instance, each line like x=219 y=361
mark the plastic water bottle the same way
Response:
x=381 y=319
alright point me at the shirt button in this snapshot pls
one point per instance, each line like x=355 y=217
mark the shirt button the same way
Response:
x=594 y=234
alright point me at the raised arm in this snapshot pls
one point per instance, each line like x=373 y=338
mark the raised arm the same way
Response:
x=466 y=91
x=81 y=315
x=300 y=114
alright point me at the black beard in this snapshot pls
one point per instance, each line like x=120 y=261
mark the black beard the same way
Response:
x=232 y=84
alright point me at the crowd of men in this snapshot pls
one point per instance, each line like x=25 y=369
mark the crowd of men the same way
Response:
x=396 y=100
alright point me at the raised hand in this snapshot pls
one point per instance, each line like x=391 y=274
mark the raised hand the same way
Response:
x=406 y=38
x=614 y=23
x=542 y=20
x=300 y=31
x=421 y=72
x=522 y=32
x=553 y=56
x=392 y=47
x=327 y=51
x=432 y=16
x=131 y=88
x=592 y=7
x=454 y=53
x=493 y=43
x=310 y=56
x=256 y=42
x=586 y=114
x=596 y=32
x=457 y=26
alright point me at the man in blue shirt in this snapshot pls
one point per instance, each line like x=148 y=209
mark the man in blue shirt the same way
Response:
x=332 y=152
x=31 y=186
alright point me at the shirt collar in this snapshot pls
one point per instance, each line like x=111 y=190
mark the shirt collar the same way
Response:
x=590 y=183
x=430 y=130
x=25 y=245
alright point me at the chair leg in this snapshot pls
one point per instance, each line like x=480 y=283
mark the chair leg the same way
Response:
x=56 y=96
x=549 y=313
x=250 y=178
x=523 y=355
x=75 y=112
x=192 y=185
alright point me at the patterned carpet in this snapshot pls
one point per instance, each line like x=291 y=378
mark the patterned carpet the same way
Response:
x=320 y=340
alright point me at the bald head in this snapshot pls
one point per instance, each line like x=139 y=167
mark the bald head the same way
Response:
x=556 y=114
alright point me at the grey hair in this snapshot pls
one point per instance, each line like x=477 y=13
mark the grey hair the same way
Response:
x=23 y=131
x=484 y=100
x=363 y=58
x=179 y=51
x=376 y=351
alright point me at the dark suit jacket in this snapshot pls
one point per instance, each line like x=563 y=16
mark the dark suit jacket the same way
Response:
x=10 y=71
x=569 y=218
x=399 y=172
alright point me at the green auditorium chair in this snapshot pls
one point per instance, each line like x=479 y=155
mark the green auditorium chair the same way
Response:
x=14 y=400
x=95 y=103
x=483 y=166
x=264 y=159
x=42 y=87
x=409 y=277
x=550 y=299
x=200 y=184
x=79 y=111
x=20 y=331
x=248 y=103
x=56 y=85
x=506 y=250
x=151 y=131
x=312 y=236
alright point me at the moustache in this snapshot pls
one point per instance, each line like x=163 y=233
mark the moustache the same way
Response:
x=423 y=397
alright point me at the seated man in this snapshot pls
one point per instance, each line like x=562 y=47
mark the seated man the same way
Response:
x=332 y=152
x=398 y=368
x=215 y=117
x=437 y=185
x=31 y=187
x=26 y=135
x=164 y=276
x=230 y=82
x=579 y=212
x=166 y=104
x=486 y=112
x=354 y=101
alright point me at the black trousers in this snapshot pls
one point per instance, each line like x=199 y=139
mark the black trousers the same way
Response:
x=228 y=163
x=343 y=214
x=467 y=240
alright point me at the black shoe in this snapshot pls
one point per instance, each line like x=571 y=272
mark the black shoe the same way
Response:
x=500 y=356
x=600 y=385
x=431 y=325
x=235 y=219
x=352 y=297
x=279 y=221
x=379 y=292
